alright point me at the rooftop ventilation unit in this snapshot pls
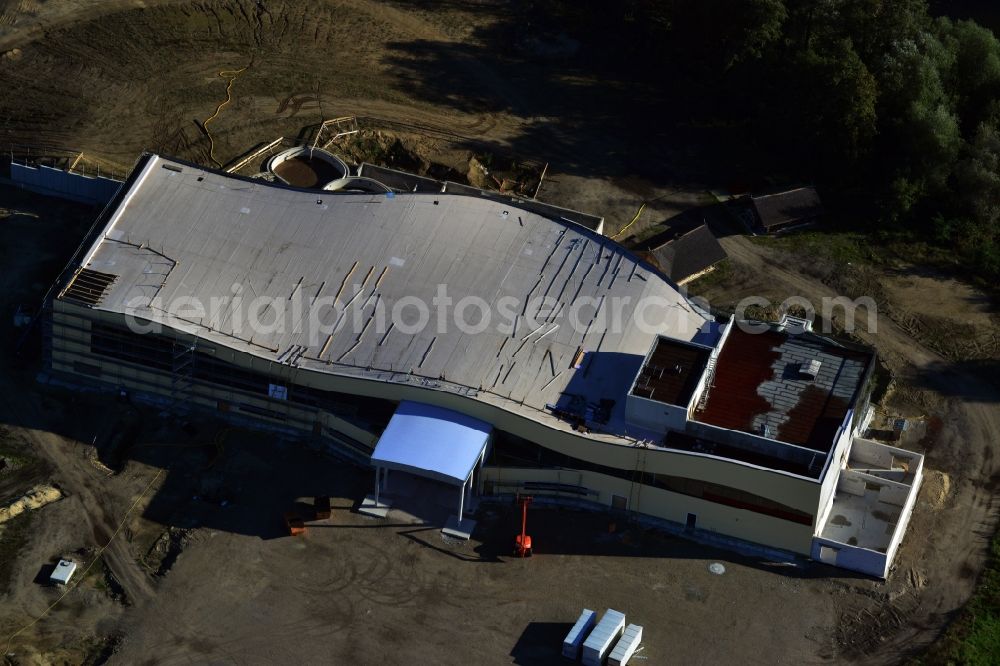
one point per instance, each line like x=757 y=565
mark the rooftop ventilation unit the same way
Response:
x=794 y=325
x=810 y=369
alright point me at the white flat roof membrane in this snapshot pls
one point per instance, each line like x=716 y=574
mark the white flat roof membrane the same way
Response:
x=185 y=234
x=432 y=442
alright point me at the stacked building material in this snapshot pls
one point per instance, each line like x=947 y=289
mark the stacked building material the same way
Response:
x=574 y=639
x=607 y=631
x=626 y=646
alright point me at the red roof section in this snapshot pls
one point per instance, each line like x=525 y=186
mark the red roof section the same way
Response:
x=758 y=380
x=745 y=363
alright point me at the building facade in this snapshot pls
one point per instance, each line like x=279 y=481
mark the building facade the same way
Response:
x=186 y=294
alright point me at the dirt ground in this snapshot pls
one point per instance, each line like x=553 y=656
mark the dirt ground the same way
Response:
x=192 y=580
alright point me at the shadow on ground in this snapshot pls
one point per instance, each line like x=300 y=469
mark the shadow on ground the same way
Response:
x=540 y=644
x=583 y=108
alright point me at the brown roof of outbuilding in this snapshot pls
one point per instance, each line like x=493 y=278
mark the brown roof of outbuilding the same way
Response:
x=689 y=254
x=784 y=208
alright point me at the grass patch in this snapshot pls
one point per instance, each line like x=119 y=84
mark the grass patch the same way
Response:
x=974 y=637
x=842 y=247
x=722 y=273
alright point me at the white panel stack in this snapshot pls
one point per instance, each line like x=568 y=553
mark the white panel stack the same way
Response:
x=626 y=646
x=605 y=633
x=574 y=639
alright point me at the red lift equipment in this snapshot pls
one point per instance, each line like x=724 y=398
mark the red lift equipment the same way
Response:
x=522 y=542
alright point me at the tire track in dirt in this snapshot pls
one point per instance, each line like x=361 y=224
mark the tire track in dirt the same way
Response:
x=78 y=478
x=165 y=52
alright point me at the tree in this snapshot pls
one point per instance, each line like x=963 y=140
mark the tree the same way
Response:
x=715 y=35
x=973 y=78
x=977 y=201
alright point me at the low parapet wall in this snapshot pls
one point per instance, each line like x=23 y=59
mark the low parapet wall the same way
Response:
x=50 y=181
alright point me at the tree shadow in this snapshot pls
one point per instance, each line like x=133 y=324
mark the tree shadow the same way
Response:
x=578 y=109
x=971 y=380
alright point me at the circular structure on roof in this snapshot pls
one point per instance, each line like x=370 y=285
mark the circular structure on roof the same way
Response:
x=717 y=568
x=308 y=168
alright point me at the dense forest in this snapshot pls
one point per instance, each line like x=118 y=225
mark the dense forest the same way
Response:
x=894 y=112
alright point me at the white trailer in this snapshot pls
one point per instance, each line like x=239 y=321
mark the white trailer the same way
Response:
x=607 y=631
x=626 y=646
x=574 y=639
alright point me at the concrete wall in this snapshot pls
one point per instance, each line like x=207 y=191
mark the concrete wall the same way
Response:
x=307 y=153
x=755 y=443
x=862 y=560
x=834 y=464
x=64 y=185
x=653 y=414
x=904 y=517
x=875 y=455
x=666 y=505
x=709 y=372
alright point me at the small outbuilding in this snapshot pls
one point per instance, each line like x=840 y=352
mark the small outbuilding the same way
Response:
x=782 y=210
x=63 y=572
x=684 y=252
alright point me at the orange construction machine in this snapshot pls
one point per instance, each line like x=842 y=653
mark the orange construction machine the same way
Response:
x=522 y=542
x=295 y=524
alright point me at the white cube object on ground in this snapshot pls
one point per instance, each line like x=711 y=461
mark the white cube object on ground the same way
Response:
x=626 y=646
x=574 y=639
x=63 y=572
x=607 y=631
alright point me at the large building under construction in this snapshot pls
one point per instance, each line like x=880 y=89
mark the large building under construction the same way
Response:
x=299 y=309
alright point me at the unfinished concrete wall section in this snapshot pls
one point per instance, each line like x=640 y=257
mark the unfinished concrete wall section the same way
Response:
x=63 y=184
x=871 y=508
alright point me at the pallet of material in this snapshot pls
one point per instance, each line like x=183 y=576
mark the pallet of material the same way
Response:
x=607 y=631
x=626 y=646
x=574 y=639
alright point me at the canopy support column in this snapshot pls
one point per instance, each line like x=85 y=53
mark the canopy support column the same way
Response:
x=461 y=501
x=479 y=476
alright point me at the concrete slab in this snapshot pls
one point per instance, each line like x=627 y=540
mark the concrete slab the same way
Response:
x=461 y=529
x=862 y=521
x=379 y=509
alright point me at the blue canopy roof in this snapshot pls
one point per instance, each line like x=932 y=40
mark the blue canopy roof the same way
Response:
x=432 y=441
